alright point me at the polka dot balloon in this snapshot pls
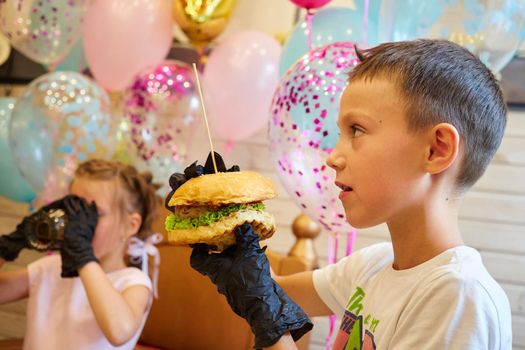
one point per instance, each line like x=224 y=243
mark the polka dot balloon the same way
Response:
x=303 y=130
x=43 y=30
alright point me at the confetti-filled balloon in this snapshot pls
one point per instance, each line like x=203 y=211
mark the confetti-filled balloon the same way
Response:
x=62 y=119
x=43 y=30
x=12 y=185
x=492 y=30
x=163 y=113
x=303 y=131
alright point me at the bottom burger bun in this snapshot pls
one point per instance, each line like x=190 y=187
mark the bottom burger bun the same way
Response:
x=220 y=234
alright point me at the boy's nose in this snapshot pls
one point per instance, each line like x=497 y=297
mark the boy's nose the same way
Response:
x=335 y=161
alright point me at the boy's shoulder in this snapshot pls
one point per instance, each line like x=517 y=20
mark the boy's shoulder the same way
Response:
x=462 y=267
x=461 y=279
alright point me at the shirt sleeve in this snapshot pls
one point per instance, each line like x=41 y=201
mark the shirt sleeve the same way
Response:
x=452 y=312
x=130 y=277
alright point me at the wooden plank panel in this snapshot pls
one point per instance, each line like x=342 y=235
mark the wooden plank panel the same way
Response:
x=17 y=307
x=501 y=208
x=518 y=333
x=511 y=151
x=503 y=238
x=12 y=325
x=515 y=123
x=505 y=267
x=502 y=178
x=516 y=295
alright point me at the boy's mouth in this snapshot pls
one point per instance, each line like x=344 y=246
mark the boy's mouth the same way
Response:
x=343 y=187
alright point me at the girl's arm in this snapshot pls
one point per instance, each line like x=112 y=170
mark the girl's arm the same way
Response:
x=119 y=315
x=14 y=285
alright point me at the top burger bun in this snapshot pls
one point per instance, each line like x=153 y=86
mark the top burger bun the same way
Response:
x=223 y=188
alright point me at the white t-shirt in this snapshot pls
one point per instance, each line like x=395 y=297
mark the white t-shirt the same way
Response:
x=448 y=302
x=59 y=316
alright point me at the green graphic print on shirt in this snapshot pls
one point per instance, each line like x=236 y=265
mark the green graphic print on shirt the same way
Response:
x=353 y=325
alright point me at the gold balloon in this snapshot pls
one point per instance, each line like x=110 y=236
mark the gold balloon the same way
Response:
x=202 y=20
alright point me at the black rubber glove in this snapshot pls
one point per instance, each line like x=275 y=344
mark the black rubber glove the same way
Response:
x=194 y=170
x=13 y=243
x=76 y=251
x=242 y=274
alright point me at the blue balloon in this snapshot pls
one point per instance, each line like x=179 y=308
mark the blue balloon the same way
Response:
x=329 y=25
x=12 y=185
x=492 y=30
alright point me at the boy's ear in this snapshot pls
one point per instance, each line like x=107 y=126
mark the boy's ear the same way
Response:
x=134 y=222
x=443 y=148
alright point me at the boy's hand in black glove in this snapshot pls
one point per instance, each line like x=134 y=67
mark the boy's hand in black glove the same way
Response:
x=76 y=251
x=242 y=274
x=13 y=243
x=196 y=170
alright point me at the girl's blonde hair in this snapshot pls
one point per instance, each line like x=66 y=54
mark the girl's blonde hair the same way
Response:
x=134 y=191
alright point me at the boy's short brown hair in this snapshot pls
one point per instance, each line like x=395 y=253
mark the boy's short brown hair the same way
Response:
x=443 y=83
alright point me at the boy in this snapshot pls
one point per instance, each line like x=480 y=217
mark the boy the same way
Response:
x=419 y=123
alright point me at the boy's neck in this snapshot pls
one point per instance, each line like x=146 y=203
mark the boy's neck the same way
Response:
x=424 y=233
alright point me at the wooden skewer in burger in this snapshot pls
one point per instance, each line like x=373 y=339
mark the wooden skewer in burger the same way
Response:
x=208 y=203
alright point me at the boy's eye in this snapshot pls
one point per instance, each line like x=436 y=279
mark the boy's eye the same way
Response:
x=355 y=131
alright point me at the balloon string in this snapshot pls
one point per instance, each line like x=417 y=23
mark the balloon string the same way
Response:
x=309 y=27
x=365 y=24
x=333 y=243
x=333 y=246
x=228 y=147
x=350 y=240
x=205 y=117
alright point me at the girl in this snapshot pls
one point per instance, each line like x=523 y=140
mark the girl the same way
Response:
x=87 y=297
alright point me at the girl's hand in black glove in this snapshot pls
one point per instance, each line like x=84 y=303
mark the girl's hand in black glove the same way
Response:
x=76 y=251
x=13 y=243
x=242 y=274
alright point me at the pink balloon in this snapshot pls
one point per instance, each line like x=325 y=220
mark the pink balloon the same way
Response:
x=310 y=4
x=241 y=75
x=123 y=37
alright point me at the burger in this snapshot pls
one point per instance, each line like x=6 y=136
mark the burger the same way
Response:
x=208 y=207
